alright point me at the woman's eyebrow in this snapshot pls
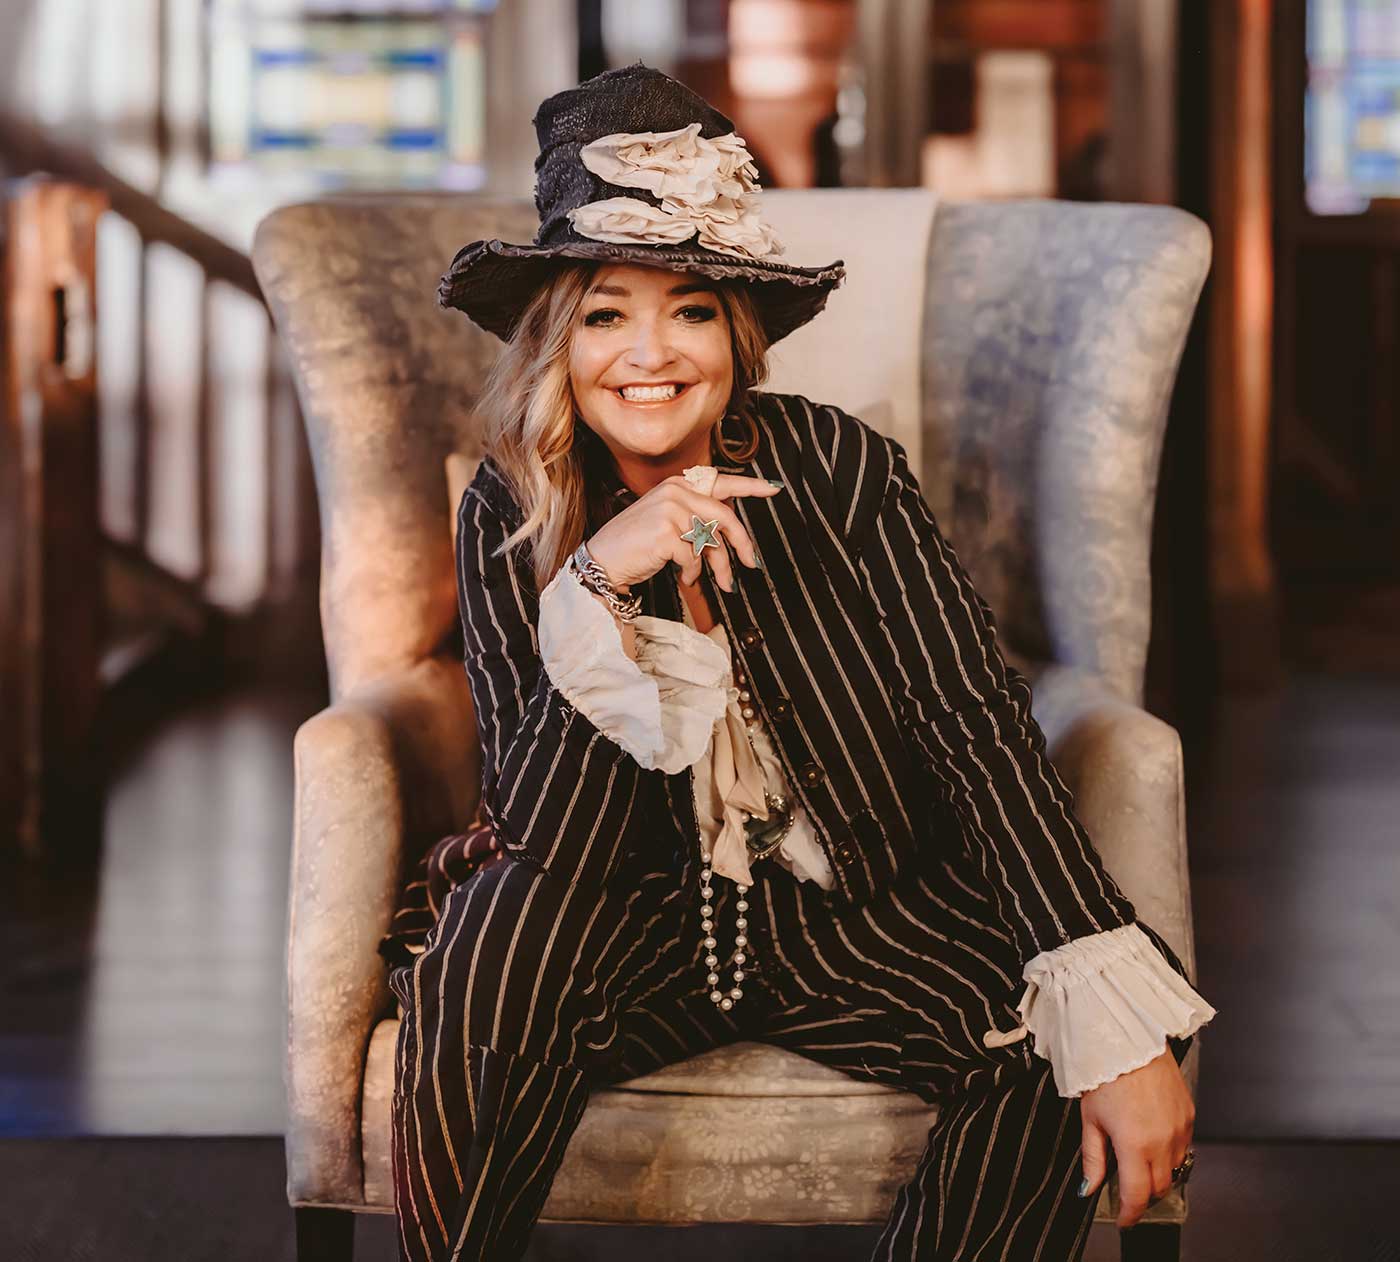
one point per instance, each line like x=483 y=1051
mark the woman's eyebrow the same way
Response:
x=617 y=291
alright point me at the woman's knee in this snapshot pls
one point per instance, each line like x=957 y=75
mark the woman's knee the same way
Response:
x=511 y=965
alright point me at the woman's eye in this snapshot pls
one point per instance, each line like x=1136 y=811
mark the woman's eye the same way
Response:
x=694 y=314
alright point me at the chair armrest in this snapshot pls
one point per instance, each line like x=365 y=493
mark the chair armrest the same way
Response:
x=392 y=762
x=1124 y=767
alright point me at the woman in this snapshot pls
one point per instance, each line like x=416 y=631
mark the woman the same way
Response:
x=830 y=727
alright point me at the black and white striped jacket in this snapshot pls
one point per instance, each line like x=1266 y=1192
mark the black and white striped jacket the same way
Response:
x=874 y=663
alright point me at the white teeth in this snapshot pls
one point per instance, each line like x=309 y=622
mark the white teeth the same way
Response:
x=642 y=394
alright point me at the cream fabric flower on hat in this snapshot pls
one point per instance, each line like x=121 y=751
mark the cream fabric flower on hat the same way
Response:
x=680 y=165
x=734 y=227
x=707 y=186
x=628 y=219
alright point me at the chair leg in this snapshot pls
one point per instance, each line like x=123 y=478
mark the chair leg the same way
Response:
x=325 y=1235
x=1151 y=1242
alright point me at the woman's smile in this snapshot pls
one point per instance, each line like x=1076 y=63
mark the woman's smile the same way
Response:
x=651 y=396
x=651 y=365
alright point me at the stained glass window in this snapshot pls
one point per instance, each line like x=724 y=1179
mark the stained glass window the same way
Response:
x=348 y=93
x=1352 y=105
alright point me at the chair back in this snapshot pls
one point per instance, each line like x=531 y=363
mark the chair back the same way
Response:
x=1023 y=352
x=1052 y=339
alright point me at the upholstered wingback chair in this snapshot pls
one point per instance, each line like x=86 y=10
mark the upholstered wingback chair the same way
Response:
x=1024 y=352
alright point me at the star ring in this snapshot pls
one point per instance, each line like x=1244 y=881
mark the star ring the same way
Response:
x=701 y=534
x=1183 y=1172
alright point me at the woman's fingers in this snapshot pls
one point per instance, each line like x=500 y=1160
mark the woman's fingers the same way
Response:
x=713 y=507
x=729 y=534
x=690 y=564
x=1134 y=1187
x=729 y=531
x=1161 y=1175
x=1148 y=1115
x=1095 y=1149
x=717 y=558
x=727 y=484
x=1144 y=1177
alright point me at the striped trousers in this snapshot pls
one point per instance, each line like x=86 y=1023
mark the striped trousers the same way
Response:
x=530 y=991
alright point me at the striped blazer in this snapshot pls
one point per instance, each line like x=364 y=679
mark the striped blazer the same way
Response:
x=872 y=658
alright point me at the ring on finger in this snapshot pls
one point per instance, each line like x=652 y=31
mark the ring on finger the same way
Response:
x=1182 y=1172
x=701 y=534
x=702 y=477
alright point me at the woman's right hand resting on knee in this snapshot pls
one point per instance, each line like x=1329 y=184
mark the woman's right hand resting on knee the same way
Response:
x=1148 y=1116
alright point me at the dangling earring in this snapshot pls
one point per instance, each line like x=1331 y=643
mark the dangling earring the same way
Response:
x=717 y=441
x=748 y=447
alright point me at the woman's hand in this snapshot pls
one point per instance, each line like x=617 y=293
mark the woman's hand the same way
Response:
x=638 y=541
x=1148 y=1115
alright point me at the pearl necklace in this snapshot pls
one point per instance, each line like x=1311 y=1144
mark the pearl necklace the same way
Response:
x=741 y=941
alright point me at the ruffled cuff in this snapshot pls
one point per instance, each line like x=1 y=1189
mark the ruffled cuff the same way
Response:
x=1103 y=1005
x=661 y=708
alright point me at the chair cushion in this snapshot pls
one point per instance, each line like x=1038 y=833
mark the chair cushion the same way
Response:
x=755 y=1070
x=744 y=1133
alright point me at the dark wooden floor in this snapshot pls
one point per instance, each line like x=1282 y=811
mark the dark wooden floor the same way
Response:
x=142 y=995
x=145 y=997
x=221 y=1200
x=1296 y=886
x=1294 y=823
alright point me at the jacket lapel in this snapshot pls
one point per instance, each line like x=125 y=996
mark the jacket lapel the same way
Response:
x=861 y=854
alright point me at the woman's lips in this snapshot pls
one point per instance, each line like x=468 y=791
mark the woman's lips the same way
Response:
x=652 y=403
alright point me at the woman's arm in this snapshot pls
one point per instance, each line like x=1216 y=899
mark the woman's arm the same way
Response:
x=660 y=701
x=558 y=792
x=968 y=714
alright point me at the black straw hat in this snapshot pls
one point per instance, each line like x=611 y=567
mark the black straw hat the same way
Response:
x=634 y=167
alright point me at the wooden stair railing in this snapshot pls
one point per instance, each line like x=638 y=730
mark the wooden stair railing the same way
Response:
x=26 y=148
x=86 y=606
x=50 y=571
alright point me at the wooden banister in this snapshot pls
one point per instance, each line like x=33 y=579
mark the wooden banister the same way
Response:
x=25 y=147
x=51 y=611
x=156 y=616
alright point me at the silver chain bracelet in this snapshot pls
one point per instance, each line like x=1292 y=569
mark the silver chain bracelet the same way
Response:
x=595 y=578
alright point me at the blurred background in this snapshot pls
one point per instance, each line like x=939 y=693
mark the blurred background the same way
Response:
x=160 y=543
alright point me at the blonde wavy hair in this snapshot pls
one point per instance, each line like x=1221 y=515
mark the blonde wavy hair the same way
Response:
x=530 y=425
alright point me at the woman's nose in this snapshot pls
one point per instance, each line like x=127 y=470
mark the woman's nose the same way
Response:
x=650 y=348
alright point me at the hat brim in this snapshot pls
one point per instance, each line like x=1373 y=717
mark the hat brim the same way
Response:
x=493 y=281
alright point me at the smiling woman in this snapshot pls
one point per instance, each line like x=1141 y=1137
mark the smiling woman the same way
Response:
x=652 y=368
x=840 y=738
x=590 y=350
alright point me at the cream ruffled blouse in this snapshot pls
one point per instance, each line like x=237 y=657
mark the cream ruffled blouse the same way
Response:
x=1097 y=1006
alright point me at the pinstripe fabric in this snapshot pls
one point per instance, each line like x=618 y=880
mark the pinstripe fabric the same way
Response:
x=871 y=655
x=578 y=960
x=531 y=991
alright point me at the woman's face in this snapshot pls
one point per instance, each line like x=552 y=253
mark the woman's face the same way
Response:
x=650 y=326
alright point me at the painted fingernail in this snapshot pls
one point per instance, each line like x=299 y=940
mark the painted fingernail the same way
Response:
x=1083 y=1187
x=757 y=560
x=775 y=482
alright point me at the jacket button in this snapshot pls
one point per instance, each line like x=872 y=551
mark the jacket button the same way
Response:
x=812 y=774
x=844 y=851
x=751 y=637
x=781 y=708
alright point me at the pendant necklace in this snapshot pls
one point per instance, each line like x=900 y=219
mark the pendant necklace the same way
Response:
x=762 y=838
